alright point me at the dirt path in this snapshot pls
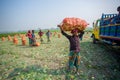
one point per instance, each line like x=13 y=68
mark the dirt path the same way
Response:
x=100 y=61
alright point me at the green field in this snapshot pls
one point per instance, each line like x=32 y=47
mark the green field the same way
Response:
x=49 y=60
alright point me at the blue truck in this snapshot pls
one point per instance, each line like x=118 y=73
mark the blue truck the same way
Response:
x=107 y=29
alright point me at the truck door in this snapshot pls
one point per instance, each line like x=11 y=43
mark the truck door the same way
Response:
x=97 y=29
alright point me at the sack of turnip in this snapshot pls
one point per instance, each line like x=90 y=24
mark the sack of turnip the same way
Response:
x=68 y=24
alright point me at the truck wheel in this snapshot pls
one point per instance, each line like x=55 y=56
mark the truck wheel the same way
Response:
x=94 y=40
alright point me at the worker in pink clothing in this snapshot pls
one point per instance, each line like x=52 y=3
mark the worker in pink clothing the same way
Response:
x=29 y=35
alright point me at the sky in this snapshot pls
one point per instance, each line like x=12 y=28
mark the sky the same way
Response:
x=18 y=15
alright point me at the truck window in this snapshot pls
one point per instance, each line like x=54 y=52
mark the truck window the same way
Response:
x=98 y=23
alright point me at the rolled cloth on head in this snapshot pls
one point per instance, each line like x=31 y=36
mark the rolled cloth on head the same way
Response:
x=74 y=30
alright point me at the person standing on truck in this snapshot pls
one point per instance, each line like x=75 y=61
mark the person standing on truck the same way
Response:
x=117 y=19
x=118 y=9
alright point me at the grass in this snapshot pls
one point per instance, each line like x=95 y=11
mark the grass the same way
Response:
x=49 y=61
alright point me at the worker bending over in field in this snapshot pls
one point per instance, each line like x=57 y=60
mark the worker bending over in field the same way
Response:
x=74 y=55
x=29 y=35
